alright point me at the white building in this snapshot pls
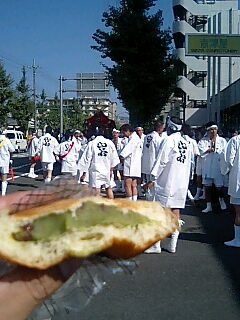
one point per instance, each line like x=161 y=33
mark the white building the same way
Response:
x=204 y=77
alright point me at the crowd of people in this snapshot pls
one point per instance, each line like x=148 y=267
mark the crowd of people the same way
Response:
x=158 y=165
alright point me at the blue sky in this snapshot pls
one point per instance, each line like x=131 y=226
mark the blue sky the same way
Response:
x=58 y=35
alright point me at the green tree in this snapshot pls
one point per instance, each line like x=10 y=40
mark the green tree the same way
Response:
x=49 y=113
x=6 y=95
x=23 y=107
x=76 y=117
x=142 y=64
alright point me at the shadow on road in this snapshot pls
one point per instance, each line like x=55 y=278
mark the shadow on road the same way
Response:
x=216 y=228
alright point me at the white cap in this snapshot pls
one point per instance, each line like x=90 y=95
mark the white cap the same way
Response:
x=116 y=130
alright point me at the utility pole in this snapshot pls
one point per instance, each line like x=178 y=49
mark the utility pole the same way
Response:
x=61 y=105
x=34 y=67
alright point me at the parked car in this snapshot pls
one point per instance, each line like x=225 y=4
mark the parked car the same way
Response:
x=17 y=138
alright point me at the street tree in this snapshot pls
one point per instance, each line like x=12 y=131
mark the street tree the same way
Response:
x=6 y=95
x=49 y=113
x=141 y=60
x=22 y=109
x=75 y=117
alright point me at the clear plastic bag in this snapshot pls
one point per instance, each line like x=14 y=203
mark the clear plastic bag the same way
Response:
x=82 y=287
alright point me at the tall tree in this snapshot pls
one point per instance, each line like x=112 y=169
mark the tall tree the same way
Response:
x=140 y=51
x=49 y=113
x=23 y=108
x=6 y=95
x=75 y=117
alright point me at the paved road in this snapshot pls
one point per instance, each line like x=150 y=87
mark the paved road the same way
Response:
x=201 y=281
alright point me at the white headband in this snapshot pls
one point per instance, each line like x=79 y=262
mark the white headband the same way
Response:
x=214 y=126
x=174 y=126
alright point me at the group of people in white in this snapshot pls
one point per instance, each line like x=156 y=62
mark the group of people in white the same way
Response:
x=161 y=163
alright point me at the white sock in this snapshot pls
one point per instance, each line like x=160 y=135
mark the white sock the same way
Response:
x=135 y=197
x=129 y=198
x=190 y=195
x=198 y=192
x=4 y=188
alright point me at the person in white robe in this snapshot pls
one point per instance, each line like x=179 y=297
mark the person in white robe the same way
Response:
x=171 y=173
x=77 y=138
x=99 y=158
x=32 y=149
x=131 y=158
x=200 y=194
x=151 y=146
x=211 y=148
x=119 y=143
x=140 y=132
x=232 y=159
x=187 y=133
x=48 y=149
x=69 y=154
x=6 y=148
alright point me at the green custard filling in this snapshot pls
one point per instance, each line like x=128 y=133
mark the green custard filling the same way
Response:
x=89 y=215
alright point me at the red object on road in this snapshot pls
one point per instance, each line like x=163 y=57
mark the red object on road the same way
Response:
x=12 y=173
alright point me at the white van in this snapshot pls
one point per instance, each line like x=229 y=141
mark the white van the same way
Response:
x=17 y=138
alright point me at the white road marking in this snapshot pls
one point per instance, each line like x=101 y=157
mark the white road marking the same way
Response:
x=21 y=175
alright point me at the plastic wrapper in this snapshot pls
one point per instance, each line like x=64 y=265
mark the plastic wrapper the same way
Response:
x=82 y=287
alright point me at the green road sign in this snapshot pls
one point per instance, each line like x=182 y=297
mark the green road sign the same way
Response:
x=219 y=45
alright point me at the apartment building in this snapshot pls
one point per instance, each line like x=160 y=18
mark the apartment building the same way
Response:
x=201 y=78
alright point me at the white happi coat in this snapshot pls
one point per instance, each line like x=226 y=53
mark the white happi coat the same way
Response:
x=132 y=153
x=195 y=152
x=99 y=157
x=69 y=150
x=48 y=147
x=211 y=161
x=32 y=146
x=121 y=142
x=77 y=143
x=6 y=148
x=232 y=158
x=151 y=145
x=172 y=171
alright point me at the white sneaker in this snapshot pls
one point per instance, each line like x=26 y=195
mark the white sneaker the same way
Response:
x=32 y=175
x=47 y=180
x=222 y=204
x=233 y=243
x=196 y=198
x=154 y=249
x=207 y=210
x=170 y=248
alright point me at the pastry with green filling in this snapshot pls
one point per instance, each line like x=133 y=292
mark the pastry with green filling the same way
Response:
x=44 y=236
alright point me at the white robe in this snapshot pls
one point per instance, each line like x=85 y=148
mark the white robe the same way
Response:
x=151 y=145
x=6 y=148
x=32 y=146
x=77 y=143
x=132 y=153
x=195 y=152
x=69 y=162
x=48 y=147
x=172 y=171
x=119 y=146
x=232 y=158
x=211 y=161
x=99 y=157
